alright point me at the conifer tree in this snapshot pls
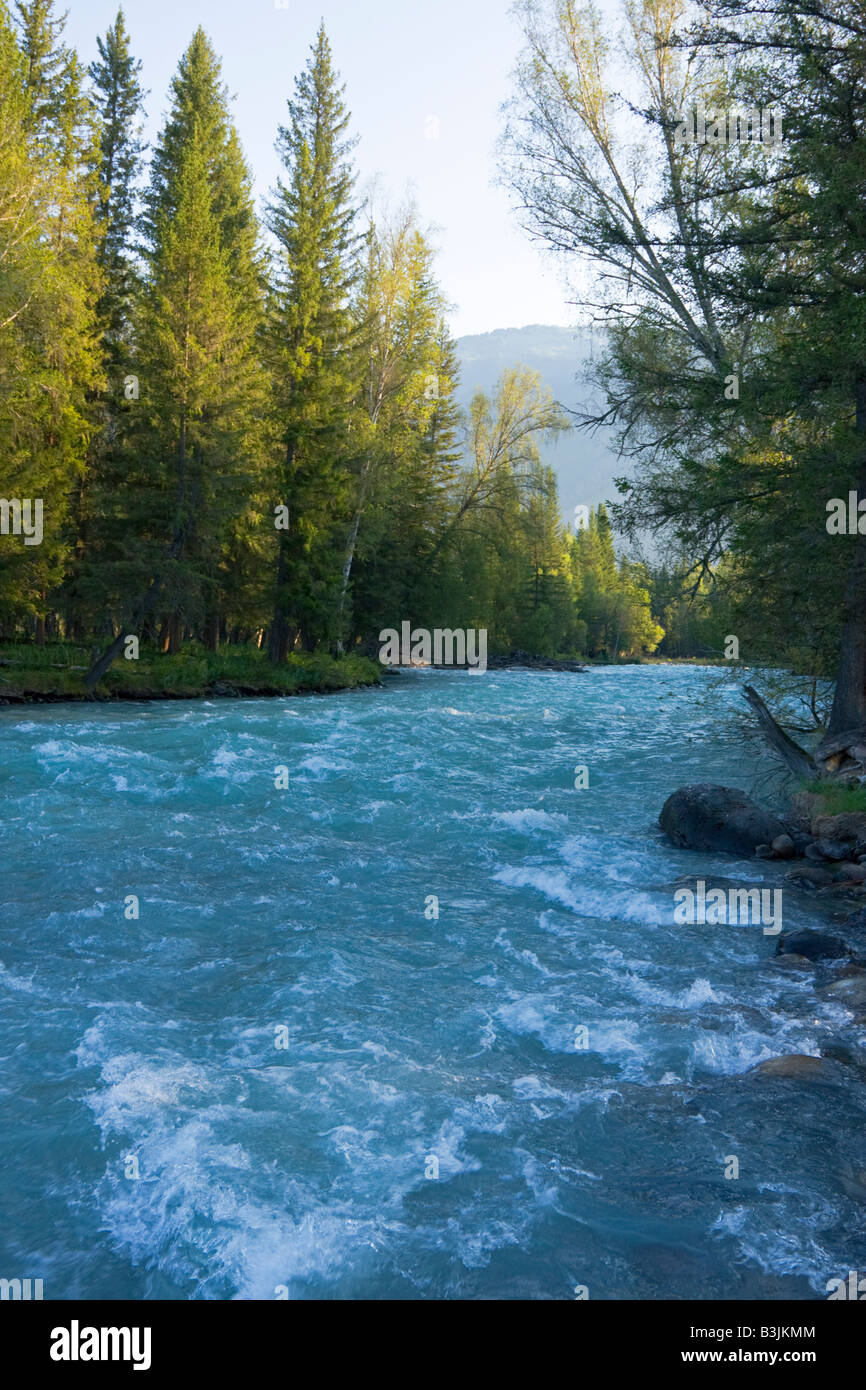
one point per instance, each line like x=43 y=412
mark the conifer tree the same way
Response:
x=118 y=99
x=191 y=445
x=311 y=342
x=65 y=376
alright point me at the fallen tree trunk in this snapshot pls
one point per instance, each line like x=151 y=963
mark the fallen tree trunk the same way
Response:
x=101 y=665
x=801 y=763
x=141 y=611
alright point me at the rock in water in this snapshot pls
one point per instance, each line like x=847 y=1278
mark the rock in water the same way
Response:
x=722 y=819
x=797 y=1067
x=850 y=991
x=814 y=945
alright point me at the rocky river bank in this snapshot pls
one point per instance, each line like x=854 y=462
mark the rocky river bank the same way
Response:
x=824 y=855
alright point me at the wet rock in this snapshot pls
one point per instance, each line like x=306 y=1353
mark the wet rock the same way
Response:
x=850 y=991
x=811 y=876
x=837 y=850
x=849 y=827
x=837 y=1050
x=812 y=945
x=796 y=1067
x=851 y=873
x=764 y=852
x=791 y=961
x=850 y=971
x=783 y=847
x=721 y=819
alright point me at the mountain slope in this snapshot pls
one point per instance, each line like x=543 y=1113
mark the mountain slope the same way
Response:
x=585 y=464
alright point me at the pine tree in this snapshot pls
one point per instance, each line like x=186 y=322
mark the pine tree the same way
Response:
x=61 y=318
x=191 y=448
x=118 y=98
x=310 y=343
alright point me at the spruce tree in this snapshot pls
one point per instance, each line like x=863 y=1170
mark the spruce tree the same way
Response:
x=118 y=99
x=60 y=133
x=311 y=337
x=191 y=444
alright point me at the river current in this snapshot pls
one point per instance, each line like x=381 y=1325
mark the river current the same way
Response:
x=419 y=1024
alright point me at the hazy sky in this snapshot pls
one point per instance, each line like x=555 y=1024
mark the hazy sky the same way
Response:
x=424 y=78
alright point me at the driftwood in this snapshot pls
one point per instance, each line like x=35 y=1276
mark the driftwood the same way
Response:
x=801 y=763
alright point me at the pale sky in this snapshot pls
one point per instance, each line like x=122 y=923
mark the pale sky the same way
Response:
x=424 y=79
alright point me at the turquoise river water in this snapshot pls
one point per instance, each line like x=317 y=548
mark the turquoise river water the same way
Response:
x=288 y=1077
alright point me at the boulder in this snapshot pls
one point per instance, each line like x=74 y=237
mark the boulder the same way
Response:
x=795 y=962
x=851 y=873
x=850 y=828
x=814 y=945
x=796 y=1067
x=811 y=875
x=720 y=819
x=813 y=852
x=850 y=991
x=837 y=850
x=783 y=847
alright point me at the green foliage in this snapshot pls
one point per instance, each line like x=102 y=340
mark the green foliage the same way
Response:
x=57 y=669
x=313 y=385
x=837 y=800
x=310 y=344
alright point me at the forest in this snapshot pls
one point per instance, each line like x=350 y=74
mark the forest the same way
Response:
x=243 y=434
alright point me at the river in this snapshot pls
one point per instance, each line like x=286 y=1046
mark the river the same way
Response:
x=338 y=1051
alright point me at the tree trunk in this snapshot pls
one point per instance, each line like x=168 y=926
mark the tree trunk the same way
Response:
x=849 y=704
x=211 y=633
x=101 y=665
x=281 y=636
x=278 y=636
x=170 y=636
x=350 y=549
x=795 y=758
x=142 y=611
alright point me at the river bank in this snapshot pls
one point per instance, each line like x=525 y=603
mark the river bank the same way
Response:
x=818 y=841
x=55 y=674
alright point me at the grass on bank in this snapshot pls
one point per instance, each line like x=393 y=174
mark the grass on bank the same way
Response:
x=57 y=670
x=837 y=800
